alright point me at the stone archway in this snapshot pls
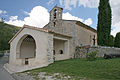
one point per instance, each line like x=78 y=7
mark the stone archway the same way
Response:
x=26 y=47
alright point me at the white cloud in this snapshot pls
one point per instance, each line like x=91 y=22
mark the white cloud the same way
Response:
x=50 y=2
x=115 y=10
x=2 y=12
x=39 y=16
x=67 y=4
x=116 y=29
x=88 y=21
x=86 y=3
x=1 y=20
x=73 y=2
x=19 y=23
x=89 y=3
x=68 y=16
x=14 y=21
x=13 y=17
x=26 y=13
x=61 y=2
x=115 y=5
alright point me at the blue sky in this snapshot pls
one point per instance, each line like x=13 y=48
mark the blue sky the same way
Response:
x=36 y=12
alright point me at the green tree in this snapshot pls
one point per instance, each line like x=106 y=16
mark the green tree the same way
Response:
x=104 y=23
x=117 y=40
x=111 y=41
x=6 y=33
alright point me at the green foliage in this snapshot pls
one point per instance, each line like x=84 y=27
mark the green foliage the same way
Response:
x=104 y=23
x=1 y=52
x=81 y=69
x=111 y=41
x=91 y=56
x=6 y=33
x=117 y=40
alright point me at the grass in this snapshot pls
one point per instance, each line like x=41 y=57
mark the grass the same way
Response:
x=100 y=69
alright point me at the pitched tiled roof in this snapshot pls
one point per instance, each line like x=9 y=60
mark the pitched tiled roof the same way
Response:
x=39 y=29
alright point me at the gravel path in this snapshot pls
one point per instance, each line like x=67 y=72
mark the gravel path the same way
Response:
x=4 y=75
x=22 y=76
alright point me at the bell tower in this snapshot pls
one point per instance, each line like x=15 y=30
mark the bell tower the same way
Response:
x=56 y=14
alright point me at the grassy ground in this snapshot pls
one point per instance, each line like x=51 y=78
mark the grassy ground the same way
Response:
x=100 y=69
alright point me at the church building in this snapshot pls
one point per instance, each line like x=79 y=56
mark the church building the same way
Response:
x=34 y=47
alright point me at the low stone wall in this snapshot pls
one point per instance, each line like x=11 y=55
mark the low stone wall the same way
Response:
x=82 y=51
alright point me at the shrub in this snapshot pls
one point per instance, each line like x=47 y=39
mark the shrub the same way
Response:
x=91 y=56
x=117 y=40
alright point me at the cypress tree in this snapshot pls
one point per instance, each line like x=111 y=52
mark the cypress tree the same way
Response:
x=117 y=40
x=104 y=23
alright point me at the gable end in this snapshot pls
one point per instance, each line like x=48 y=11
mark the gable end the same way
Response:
x=86 y=26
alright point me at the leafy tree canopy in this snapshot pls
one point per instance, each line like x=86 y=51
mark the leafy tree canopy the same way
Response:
x=117 y=40
x=6 y=33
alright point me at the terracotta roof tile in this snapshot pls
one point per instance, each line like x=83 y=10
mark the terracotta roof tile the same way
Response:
x=39 y=29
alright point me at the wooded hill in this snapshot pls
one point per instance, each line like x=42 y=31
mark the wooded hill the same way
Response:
x=6 y=33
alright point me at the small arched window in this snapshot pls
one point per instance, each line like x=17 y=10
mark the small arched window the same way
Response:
x=61 y=51
x=55 y=12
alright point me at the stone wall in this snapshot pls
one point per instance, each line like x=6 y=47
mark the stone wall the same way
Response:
x=80 y=35
x=50 y=49
x=82 y=51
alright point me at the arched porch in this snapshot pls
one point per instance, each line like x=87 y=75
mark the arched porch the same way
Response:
x=26 y=49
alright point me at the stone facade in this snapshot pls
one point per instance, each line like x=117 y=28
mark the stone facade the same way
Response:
x=81 y=33
x=43 y=52
x=34 y=47
x=62 y=43
x=25 y=56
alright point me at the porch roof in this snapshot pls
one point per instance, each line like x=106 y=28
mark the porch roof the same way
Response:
x=39 y=29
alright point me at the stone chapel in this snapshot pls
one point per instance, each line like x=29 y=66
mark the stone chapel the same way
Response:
x=34 y=47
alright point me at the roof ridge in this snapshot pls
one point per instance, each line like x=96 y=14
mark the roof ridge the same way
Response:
x=39 y=29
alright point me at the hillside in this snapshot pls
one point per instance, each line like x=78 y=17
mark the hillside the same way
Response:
x=6 y=33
